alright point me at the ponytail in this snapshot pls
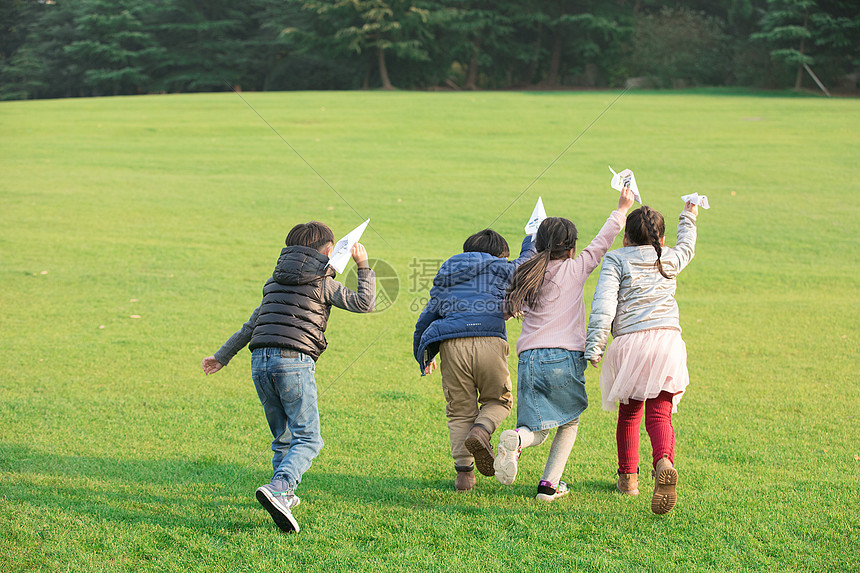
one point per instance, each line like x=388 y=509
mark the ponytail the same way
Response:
x=526 y=284
x=554 y=238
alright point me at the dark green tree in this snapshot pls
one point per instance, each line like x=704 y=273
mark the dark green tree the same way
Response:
x=40 y=68
x=112 y=48
x=580 y=32
x=206 y=44
x=483 y=30
x=785 y=27
x=14 y=17
x=679 y=47
x=799 y=31
x=66 y=48
x=374 y=30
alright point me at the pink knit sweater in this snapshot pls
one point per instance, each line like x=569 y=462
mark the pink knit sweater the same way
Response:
x=559 y=320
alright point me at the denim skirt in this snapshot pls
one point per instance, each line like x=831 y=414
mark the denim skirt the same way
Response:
x=550 y=387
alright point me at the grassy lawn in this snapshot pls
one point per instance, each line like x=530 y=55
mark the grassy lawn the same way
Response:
x=136 y=234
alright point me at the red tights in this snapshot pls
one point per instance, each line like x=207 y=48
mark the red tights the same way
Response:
x=658 y=423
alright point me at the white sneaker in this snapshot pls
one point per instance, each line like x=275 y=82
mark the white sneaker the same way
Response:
x=508 y=457
x=546 y=492
x=279 y=504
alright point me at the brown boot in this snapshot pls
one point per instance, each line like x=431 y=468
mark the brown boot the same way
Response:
x=665 y=481
x=465 y=478
x=628 y=484
x=478 y=444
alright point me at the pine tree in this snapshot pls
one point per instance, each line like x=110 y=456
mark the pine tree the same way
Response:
x=111 y=47
x=379 y=28
x=799 y=31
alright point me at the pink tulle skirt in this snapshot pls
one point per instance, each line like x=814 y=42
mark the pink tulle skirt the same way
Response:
x=640 y=365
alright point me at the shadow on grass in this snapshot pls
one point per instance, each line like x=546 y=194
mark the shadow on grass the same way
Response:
x=200 y=494
x=218 y=498
x=432 y=493
x=590 y=486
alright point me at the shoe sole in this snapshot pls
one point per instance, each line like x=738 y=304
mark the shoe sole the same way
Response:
x=506 y=463
x=665 y=491
x=285 y=521
x=484 y=457
x=547 y=497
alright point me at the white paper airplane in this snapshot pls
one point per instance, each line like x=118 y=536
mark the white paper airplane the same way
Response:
x=538 y=215
x=342 y=251
x=619 y=180
x=696 y=199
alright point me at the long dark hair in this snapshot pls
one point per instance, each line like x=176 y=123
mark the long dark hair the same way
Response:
x=645 y=226
x=555 y=237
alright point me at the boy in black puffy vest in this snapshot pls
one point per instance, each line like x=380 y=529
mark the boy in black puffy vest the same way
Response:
x=286 y=335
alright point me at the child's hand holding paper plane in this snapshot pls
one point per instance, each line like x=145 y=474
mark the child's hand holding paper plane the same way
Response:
x=538 y=215
x=625 y=179
x=696 y=199
x=342 y=251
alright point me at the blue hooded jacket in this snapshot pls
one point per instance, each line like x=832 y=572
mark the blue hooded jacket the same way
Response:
x=466 y=300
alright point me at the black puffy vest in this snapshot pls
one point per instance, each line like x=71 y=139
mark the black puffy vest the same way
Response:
x=293 y=314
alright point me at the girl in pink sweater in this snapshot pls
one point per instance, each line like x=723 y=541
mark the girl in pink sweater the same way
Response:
x=546 y=291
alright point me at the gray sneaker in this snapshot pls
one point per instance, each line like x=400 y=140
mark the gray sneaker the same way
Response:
x=279 y=504
x=509 y=454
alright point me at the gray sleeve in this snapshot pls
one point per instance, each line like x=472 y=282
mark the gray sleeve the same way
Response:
x=364 y=300
x=603 y=309
x=685 y=247
x=238 y=341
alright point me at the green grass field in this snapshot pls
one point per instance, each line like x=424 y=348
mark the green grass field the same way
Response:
x=117 y=454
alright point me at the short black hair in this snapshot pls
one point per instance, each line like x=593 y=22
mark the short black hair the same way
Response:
x=487 y=241
x=314 y=235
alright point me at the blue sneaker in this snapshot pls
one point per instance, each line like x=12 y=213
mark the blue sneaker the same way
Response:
x=279 y=504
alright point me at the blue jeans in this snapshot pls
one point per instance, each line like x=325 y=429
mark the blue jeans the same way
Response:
x=288 y=392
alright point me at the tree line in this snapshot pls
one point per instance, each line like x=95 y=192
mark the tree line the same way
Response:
x=69 y=48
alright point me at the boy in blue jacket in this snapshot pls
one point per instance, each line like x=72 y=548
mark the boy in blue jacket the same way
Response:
x=464 y=323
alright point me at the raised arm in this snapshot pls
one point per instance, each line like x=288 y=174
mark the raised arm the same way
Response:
x=526 y=251
x=685 y=247
x=338 y=295
x=603 y=309
x=364 y=300
x=591 y=255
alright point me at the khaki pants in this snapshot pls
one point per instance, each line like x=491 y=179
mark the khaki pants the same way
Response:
x=477 y=387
